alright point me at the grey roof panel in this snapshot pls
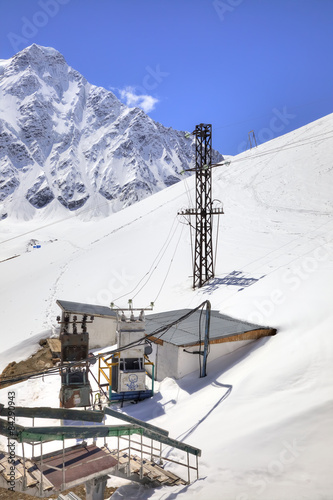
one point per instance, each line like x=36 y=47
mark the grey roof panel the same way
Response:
x=187 y=331
x=89 y=309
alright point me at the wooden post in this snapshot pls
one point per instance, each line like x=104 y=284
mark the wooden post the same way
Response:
x=33 y=444
x=41 y=469
x=63 y=464
x=118 y=440
x=141 y=468
x=24 y=470
x=129 y=455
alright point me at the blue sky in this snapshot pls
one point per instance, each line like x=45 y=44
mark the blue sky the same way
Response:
x=242 y=65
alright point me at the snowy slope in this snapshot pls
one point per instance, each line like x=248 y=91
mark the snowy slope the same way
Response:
x=67 y=145
x=262 y=416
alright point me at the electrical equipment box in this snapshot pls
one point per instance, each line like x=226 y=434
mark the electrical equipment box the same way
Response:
x=74 y=347
x=132 y=381
x=131 y=373
x=75 y=387
x=125 y=370
x=75 y=396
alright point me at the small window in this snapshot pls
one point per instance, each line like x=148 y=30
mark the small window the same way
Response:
x=131 y=364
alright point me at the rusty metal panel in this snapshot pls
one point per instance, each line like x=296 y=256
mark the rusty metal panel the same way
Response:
x=74 y=346
x=75 y=396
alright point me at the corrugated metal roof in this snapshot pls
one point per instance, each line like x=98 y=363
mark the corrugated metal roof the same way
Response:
x=187 y=331
x=89 y=309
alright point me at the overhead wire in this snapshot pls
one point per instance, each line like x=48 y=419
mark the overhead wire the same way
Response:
x=188 y=192
x=154 y=264
x=158 y=265
x=290 y=145
x=171 y=261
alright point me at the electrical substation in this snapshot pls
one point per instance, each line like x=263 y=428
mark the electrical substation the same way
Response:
x=121 y=374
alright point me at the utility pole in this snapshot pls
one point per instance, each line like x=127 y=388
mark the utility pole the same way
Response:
x=203 y=263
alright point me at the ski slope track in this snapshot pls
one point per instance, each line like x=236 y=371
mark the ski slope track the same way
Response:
x=263 y=415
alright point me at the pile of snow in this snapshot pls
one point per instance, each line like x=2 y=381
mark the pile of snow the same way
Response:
x=262 y=416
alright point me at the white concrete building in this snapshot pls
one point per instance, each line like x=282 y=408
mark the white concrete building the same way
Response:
x=176 y=351
x=102 y=331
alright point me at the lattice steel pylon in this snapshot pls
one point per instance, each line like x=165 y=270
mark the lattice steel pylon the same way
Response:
x=203 y=263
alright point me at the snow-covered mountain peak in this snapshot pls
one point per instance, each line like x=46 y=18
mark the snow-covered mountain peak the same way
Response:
x=67 y=143
x=39 y=59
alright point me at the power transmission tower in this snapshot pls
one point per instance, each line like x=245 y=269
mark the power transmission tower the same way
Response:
x=252 y=139
x=203 y=263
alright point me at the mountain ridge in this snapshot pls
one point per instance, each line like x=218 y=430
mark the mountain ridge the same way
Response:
x=67 y=143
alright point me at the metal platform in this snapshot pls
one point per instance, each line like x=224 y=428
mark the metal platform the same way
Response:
x=120 y=397
x=76 y=465
x=65 y=468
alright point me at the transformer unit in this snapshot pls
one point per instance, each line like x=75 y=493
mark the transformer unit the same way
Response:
x=74 y=347
x=125 y=371
x=75 y=395
x=75 y=387
x=131 y=374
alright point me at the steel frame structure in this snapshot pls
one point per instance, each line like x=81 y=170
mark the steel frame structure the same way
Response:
x=203 y=252
x=203 y=263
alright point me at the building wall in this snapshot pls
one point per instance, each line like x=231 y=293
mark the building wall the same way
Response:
x=173 y=361
x=102 y=331
x=165 y=358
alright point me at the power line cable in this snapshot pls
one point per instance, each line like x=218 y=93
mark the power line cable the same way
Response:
x=154 y=264
x=289 y=145
x=168 y=271
x=157 y=264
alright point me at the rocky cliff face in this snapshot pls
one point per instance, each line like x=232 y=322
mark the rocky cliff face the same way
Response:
x=65 y=143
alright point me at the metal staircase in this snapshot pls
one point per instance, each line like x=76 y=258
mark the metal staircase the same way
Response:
x=137 y=451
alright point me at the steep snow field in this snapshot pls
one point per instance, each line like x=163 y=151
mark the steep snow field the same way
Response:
x=263 y=415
